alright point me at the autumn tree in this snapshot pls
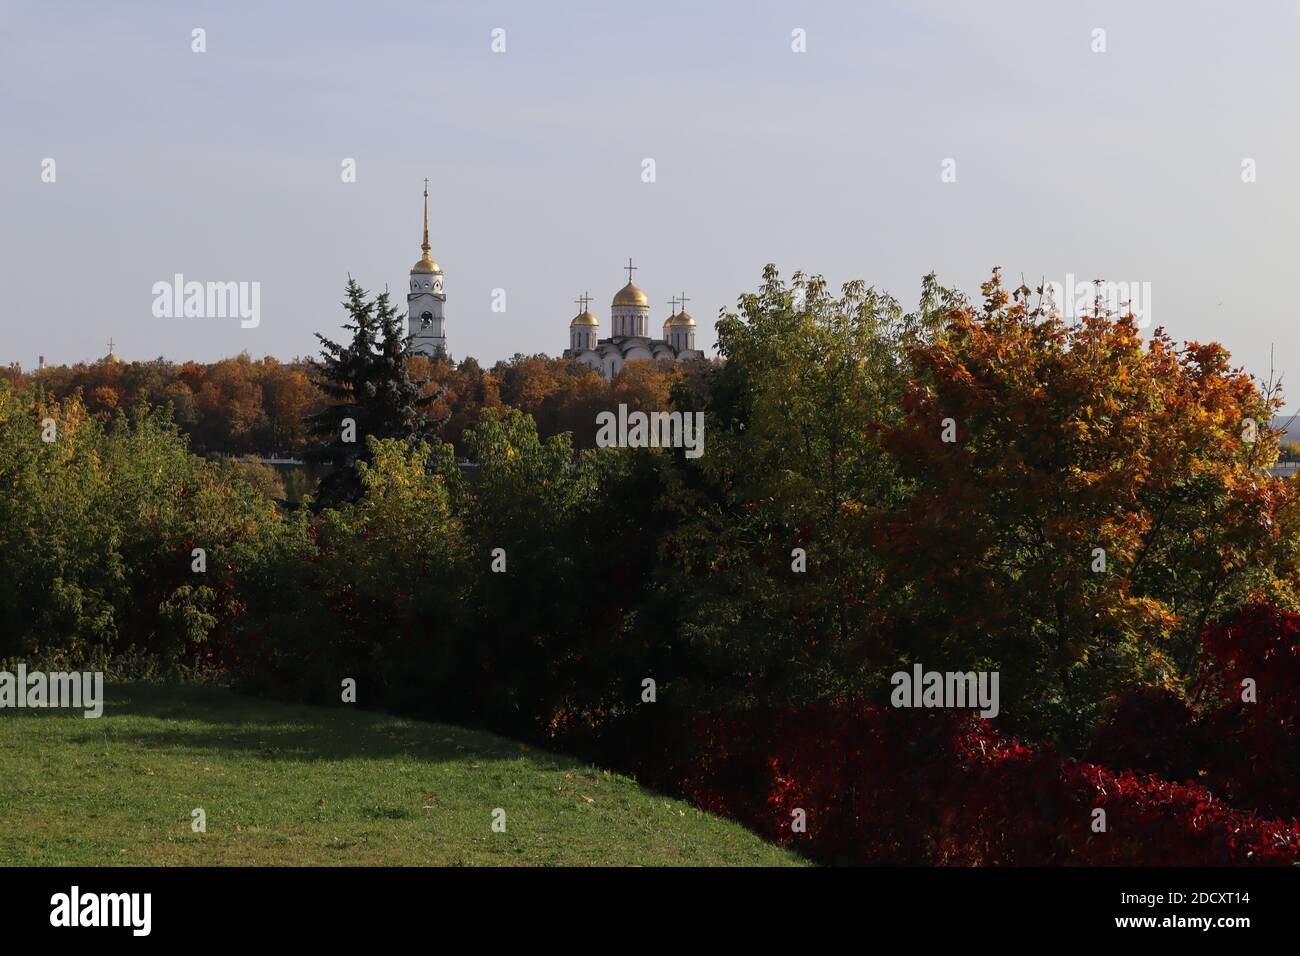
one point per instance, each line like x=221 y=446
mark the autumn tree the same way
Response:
x=561 y=395
x=13 y=374
x=1080 y=502
x=642 y=386
x=288 y=396
x=583 y=395
x=229 y=407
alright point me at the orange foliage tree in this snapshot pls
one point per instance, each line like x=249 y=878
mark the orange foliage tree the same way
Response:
x=1080 y=502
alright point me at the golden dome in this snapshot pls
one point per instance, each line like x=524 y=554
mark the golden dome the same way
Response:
x=585 y=318
x=681 y=318
x=425 y=265
x=631 y=295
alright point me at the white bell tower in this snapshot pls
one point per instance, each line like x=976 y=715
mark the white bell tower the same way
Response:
x=425 y=301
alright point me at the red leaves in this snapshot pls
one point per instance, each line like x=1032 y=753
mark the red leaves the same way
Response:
x=909 y=787
x=1261 y=642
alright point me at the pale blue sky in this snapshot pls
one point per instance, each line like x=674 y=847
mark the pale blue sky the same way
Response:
x=225 y=165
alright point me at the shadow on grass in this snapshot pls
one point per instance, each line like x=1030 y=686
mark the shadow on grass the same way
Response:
x=213 y=718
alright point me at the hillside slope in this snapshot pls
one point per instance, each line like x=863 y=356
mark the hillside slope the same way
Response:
x=321 y=786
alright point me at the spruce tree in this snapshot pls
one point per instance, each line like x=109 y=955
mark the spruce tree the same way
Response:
x=400 y=401
x=367 y=381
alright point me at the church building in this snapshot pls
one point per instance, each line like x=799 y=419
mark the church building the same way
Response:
x=630 y=340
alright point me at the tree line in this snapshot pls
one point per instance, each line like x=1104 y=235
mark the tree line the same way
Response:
x=241 y=405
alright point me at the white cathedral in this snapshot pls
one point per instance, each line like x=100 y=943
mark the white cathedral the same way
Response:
x=629 y=319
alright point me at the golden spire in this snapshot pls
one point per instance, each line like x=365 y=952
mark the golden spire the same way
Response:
x=426 y=263
x=425 y=245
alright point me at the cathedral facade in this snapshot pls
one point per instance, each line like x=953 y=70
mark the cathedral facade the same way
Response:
x=629 y=341
x=630 y=338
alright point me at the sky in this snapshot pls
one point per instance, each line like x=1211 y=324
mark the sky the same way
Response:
x=227 y=165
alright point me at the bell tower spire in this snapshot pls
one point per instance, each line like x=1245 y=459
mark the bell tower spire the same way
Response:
x=425 y=245
x=425 y=301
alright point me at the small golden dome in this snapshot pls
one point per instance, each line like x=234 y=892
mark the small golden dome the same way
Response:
x=584 y=318
x=425 y=265
x=682 y=318
x=631 y=295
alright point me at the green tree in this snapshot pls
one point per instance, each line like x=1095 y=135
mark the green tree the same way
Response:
x=98 y=526
x=370 y=390
x=792 y=460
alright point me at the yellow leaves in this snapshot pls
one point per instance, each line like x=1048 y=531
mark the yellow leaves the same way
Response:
x=852 y=508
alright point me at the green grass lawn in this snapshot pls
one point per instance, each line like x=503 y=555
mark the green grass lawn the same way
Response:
x=308 y=785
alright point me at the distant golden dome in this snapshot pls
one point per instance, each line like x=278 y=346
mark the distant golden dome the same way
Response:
x=425 y=265
x=631 y=295
x=584 y=318
x=681 y=318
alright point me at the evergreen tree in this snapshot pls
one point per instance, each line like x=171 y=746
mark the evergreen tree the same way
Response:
x=368 y=383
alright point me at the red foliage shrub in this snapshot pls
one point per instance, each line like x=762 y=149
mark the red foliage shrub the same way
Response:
x=1248 y=752
x=884 y=786
x=1261 y=642
x=1152 y=729
x=1256 y=762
